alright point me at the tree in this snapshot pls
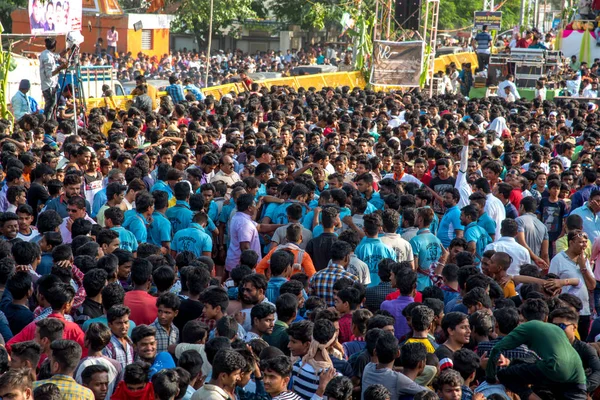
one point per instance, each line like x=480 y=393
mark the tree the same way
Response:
x=6 y=7
x=455 y=14
x=193 y=16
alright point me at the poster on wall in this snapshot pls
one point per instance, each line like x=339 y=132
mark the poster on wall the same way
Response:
x=397 y=63
x=54 y=17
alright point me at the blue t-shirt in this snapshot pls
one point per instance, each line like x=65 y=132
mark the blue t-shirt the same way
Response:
x=449 y=223
x=161 y=185
x=318 y=230
x=127 y=239
x=192 y=239
x=376 y=201
x=137 y=224
x=371 y=251
x=427 y=248
x=475 y=233
x=180 y=215
x=160 y=229
x=280 y=214
x=45 y=266
x=487 y=223
x=99 y=200
x=213 y=211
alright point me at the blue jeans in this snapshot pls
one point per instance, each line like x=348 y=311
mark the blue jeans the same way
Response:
x=597 y=298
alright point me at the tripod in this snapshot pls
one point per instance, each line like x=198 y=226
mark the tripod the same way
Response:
x=74 y=71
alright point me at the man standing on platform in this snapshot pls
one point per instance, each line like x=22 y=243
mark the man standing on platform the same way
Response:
x=484 y=41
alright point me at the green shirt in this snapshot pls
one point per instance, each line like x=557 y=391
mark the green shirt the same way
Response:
x=559 y=360
x=279 y=338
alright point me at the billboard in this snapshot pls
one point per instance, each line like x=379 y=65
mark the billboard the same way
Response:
x=493 y=20
x=54 y=17
x=397 y=63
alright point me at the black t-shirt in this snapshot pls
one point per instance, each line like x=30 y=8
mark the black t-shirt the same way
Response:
x=444 y=352
x=441 y=186
x=36 y=195
x=319 y=249
x=188 y=311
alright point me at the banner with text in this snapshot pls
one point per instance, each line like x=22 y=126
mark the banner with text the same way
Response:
x=54 y=16
x=493 y=20
x=397 y=63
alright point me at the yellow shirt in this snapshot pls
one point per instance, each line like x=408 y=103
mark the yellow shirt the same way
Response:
x=425 y=342
x=561 y=245
x=509 y=289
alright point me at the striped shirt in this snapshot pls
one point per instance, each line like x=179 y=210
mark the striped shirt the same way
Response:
x=305 y=381
x=287 y=396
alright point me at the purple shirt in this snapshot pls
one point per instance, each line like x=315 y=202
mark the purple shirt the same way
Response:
x=65 y=233
x=395 y=308
x=242 y=229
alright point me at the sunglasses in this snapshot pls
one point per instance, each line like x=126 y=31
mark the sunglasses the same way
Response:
x=72 y=210
x=564 y=326
x=581 y=236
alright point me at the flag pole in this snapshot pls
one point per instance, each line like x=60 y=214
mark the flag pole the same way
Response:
x=210 y=23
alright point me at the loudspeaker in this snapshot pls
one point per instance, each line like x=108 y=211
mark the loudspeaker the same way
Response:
x=408 y=13
x=138 y=26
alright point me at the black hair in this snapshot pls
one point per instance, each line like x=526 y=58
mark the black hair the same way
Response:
x=411 y=354
x=19 y=285
x=163 y=278
x=286 y=306
x=386 y=348
x=452 y=320
x=66 y=353
x=117 y=311
x=169 y=300
x=351 y=296
x=141 y=271
x=377 y=392
x=165 y=383
x=216 y=296
x=94 y=281
x=301 y=331
x=214 y=345
x=194 y=331
x=466 y=362
x=534 y=310
x=226 y=361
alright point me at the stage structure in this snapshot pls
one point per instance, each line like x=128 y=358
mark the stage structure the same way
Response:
x=393 y=26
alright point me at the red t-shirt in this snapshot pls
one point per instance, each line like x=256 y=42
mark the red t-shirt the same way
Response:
x=396 y=294
x=142 y=305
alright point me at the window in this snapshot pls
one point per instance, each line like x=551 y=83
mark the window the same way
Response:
x=146 y=39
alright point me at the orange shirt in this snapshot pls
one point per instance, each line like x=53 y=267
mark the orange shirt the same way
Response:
x=509 y=289
x=307 y=263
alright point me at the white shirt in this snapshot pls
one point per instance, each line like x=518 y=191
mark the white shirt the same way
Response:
x=513 y=89
x=495 y=209
x=401 y=247
x=405 y=178
x=517 y=252
x=461 y=184
x=566 y=268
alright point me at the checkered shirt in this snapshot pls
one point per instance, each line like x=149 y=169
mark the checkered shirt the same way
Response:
x=375 y=295
x=69 y=389
x=115 y=350
x=163 y=338
x=321 y=283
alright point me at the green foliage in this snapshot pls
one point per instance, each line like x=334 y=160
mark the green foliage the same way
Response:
x=6 y=7
x=456 y=14
x=194 y=15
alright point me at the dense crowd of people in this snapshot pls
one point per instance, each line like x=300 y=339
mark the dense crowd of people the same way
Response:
x=224 y=65
x=300 y=244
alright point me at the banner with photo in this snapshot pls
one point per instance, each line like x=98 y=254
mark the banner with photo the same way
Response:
x=54 y=17
x=397 y=63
